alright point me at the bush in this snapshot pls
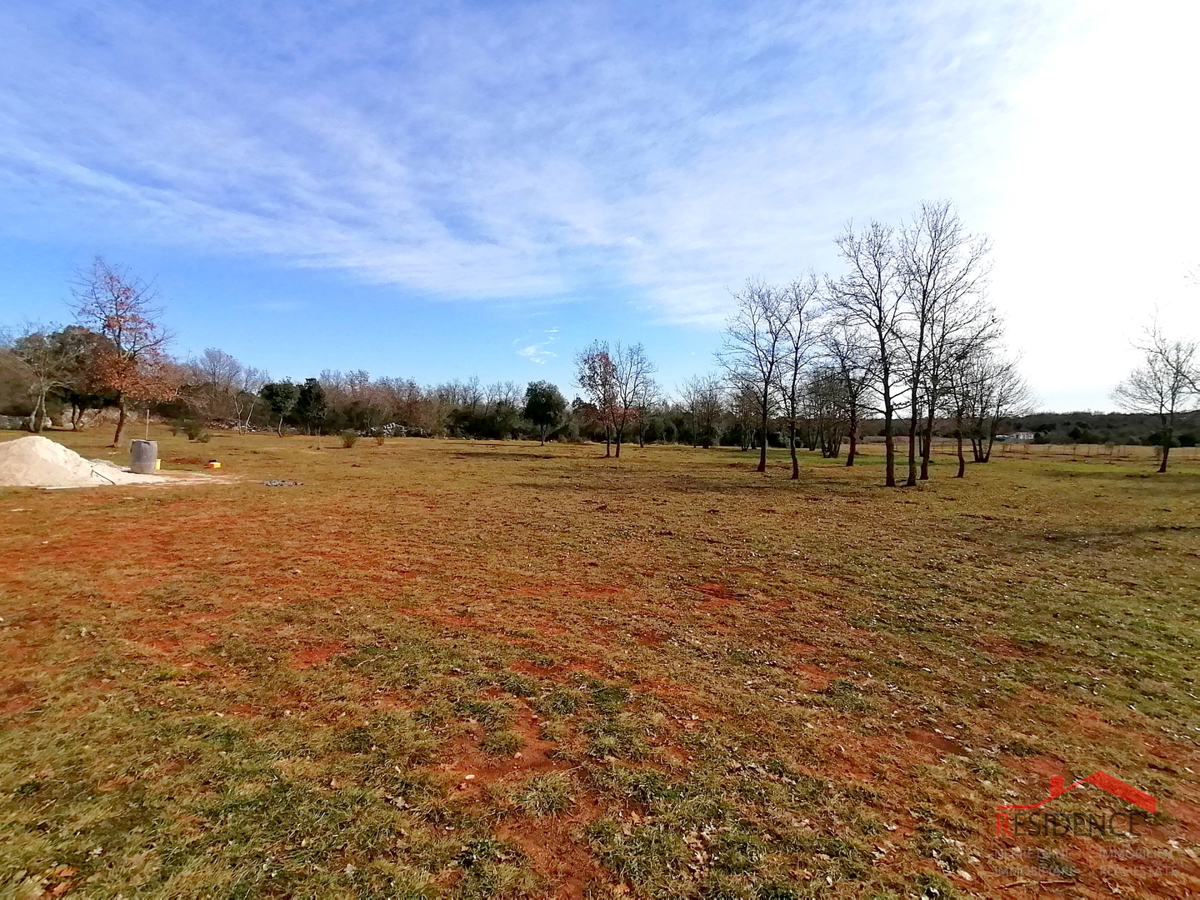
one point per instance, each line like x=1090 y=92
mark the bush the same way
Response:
x=349 y=438
x=190 y=427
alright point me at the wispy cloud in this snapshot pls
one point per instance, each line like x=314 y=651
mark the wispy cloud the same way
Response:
x=521 y=152
x=536 y=351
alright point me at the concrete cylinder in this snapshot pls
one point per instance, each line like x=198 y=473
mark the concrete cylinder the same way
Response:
x=143 y=456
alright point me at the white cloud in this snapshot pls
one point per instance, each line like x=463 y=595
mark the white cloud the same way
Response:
x=488 y=155
x=536 y=352
x=662 y=153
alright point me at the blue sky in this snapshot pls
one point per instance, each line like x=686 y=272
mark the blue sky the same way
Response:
x=441 y=190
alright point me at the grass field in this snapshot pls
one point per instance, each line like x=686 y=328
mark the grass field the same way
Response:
x=483 y=670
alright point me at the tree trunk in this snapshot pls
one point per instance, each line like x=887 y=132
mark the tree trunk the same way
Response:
x=914 y=410
x=607 y=442
x=38 y=419
x=762 y=452
x=120 y=420
x=927 y=446
x=795 y=460
x=911 y=481
x=889 y=437
x=962 y=460
x=1166 y=452
x=889 y=446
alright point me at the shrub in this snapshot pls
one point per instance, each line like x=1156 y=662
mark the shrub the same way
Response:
x=190 y=427
x=349 y=438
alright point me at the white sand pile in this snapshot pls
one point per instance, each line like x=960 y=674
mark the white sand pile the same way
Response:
x=36 y=461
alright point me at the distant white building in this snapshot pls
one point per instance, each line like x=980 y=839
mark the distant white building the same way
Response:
x=1016 y=436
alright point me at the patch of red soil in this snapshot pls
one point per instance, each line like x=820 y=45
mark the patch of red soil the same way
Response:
x=559 y=672
x=666 y=689
x=13 y=705
x=555 y=851
x=317 y=655
x=818 y=679
x=473 y=769
x=1044 y=767
x=998 y=646
x=716 y=591
x=940 y=742
x=572 y=590
x=801 y=649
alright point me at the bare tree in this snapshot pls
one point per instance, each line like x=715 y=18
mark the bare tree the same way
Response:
x=1003 y=394
x=45 y=358
x=798 y=314
x=825 y=411
x=704 y=398
x=651 y=402
x=965 y=379
x=755 y=348
x=744 y=409
x=133 y=364
x=596 y=373
x=944 y=269
x=1164 y=385
x=634 y=385
x=868 y=296
x=503 y=393
x=848 y=353
x=214 y=379
x=246 y=394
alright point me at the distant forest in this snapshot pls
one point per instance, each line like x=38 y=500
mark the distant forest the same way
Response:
x=1105 y=428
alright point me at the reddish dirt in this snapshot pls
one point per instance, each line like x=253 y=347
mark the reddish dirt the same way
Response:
x=818 y=679
x=998 y=646
x=472 y=769
x=716 y=591
x=653 y=639
x=318 y=655
x=939 y=742
x=556 y=851
x=559 y=672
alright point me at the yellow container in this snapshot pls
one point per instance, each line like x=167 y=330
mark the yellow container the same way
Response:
x=213 y=464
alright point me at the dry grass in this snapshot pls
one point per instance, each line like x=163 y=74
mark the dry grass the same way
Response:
x=501 y=670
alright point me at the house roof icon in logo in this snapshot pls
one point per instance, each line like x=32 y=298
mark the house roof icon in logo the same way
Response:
x=1102 y=780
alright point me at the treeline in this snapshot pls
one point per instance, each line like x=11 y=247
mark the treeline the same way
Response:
x=901 y=344
x=1113 y=429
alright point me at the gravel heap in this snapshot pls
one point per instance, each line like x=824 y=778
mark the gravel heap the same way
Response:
x=36 y=461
